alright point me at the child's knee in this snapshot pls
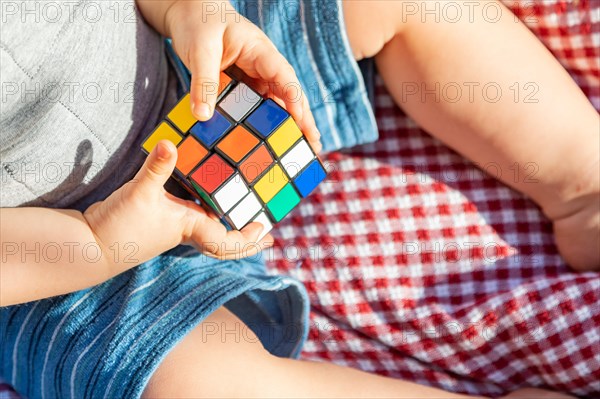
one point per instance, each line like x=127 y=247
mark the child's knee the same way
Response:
x=370 y=24
x=219 y=358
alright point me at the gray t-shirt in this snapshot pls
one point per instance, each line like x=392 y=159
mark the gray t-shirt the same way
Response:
x=82 y=83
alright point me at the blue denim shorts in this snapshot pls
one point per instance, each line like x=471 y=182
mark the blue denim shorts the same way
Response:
x=106 y=341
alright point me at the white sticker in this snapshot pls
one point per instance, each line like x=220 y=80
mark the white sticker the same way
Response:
x=297 y=158
x=244 y=211
x=239 y=101
x=231 y=193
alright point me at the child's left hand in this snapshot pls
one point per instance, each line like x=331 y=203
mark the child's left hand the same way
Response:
x=209 y=42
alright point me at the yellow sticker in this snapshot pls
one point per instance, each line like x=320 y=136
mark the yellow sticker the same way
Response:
x=182 y=116
x=162 y=132
x=284 y=137
x=271 y=183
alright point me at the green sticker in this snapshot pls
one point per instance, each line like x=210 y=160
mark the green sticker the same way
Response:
x=283 y=202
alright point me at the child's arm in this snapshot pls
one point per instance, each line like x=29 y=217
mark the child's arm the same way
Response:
x=483 y=84
x=209 y=36
x=48 y=252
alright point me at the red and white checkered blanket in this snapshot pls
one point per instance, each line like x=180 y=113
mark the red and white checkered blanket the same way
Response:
x=420 y=266
x=423 y=267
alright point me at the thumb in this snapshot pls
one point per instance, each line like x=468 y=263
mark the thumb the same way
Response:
x=158 y=166
x=205 y=66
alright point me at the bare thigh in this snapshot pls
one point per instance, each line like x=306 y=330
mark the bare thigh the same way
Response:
x=221 y=366
x=211 y=362
x=370 y=24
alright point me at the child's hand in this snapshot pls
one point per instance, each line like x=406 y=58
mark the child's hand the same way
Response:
x=142 y=213
x=208 y=42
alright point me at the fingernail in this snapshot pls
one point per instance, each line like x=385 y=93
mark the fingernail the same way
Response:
x=318 y=147
x=260 y=228
x=162 y=152
x=202 y=111
x=249 y=228
x=258 y=231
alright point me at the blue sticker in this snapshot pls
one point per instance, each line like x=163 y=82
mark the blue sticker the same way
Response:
x=212 y=130
x=266 y=118
x=310 y=178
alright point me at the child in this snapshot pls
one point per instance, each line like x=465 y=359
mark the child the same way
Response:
x=108 y=327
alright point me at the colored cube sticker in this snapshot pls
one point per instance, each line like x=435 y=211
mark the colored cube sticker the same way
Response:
x=249 y=163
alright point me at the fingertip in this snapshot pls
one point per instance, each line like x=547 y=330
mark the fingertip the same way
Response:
x=267 y=241
x=252 y=231
x=313 y=134
x=164 y=150
x=317 y=146
x=317 y=133
x=202 y=111
x=203 y=97
x=158 y=166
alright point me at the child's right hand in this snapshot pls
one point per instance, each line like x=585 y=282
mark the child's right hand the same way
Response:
x=144 y=214
x=210 y=36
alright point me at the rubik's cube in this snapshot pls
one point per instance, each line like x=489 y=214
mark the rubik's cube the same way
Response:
x=249 y=162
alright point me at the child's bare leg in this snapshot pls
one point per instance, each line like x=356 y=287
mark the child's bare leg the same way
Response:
x=447 y=75
x=223 y=365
